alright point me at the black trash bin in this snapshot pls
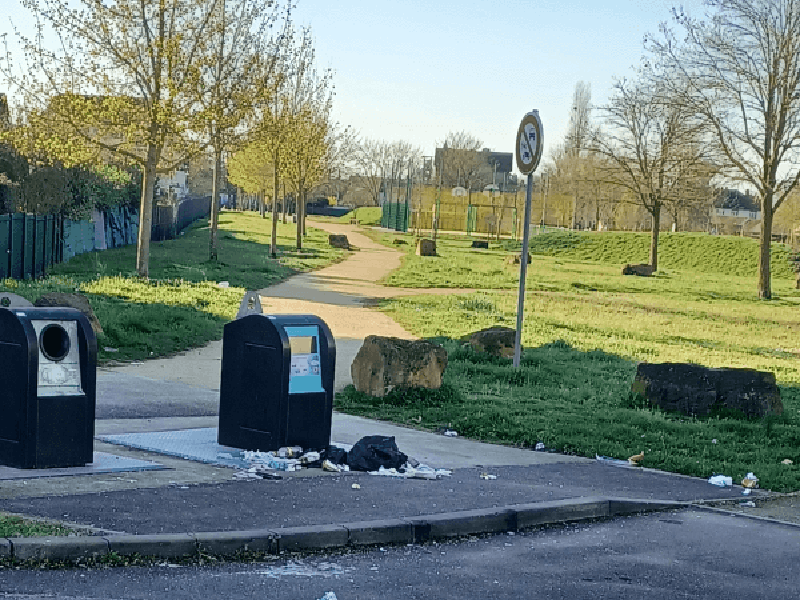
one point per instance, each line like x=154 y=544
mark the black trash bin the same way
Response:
x=276 y=388
x=47 y=397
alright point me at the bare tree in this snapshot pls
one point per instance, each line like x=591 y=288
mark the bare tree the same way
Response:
x=372 y=160
x=461 y=161
x=740 y=71
x=646 y=144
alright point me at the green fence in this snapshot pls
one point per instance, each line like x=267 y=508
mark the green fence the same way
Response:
x=395 y=216
x=28 y=244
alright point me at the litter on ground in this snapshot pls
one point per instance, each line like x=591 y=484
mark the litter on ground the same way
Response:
x=721 y=481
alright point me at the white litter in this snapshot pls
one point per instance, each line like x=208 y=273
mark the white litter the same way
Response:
x=451 y=433
x=721 y=481
x=421 y=471
x=223 y=284
x=329 y=596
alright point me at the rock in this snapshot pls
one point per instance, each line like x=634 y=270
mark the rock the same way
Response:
x=339 y=241
x=426 y=247
x=78 y=301
x=385 y=363
x=696 y=390
x=640 y=270
x=9 y=300
x=398 y=242
x=480 y=244
x=498 y=341
x=515 y=259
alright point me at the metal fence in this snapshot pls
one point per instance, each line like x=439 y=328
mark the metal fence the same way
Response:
x=394 y=215
x=29 y=244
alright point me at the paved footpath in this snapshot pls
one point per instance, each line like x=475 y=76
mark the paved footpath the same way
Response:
x=193 y=506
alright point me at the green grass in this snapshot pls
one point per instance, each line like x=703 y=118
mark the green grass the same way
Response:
x=458 y=265
x=366 y=215
x=182 y=305
x=585 y=328
x=13 y=526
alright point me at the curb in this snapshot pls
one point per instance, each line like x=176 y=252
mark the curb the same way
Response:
x=404 y=530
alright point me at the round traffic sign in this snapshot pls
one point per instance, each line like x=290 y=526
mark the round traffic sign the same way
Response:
x=529 y=143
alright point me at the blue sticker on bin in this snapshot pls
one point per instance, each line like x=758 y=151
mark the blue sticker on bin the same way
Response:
x=305 y=372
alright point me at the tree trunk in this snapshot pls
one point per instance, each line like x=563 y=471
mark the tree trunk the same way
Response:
x=274 y=242
x=764 y=287
x=304 y=213
x=298 y=211
x=213 y=219
x=262 y=209
x=656 y=214
x=146 y=212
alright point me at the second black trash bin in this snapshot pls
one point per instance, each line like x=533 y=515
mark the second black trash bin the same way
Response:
x=276 y=387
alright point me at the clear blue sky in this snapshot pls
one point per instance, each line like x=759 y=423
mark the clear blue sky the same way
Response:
x=415 y=70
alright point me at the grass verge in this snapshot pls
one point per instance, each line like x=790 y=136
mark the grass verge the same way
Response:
x=15 y=526
x=182 y=305
x=585 y=328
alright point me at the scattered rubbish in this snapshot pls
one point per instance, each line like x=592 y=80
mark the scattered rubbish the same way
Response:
x=750 y=481
x=748 y=504
x=111 y=349
x=787 y=461
x=335 y=455
x=372 y=452
x=292 y=452
x=329 y=596
x=612 y=461
x=334 y=468
x=746 y=491
x=223 y=284
x=420 y=471
x=721 y=481
x=634 y=460
x=488 y=477
x=355 y=486
x=450 y=433
x=310 y=459
x=714 y=441
x=539 y=446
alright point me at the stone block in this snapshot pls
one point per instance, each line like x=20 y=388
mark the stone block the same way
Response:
x=385 y=363
x=314 y=537
x=515 y=259
x=339 y=241
x=640 y=270
x=9 y=300
x=398 y=242
x=483 y=244
x=697 y=390
x=389 y=531
x=162 y=545
x=69 y=300
x=58 y=548
x=226 y=543
x=498 y=341
x=426 y=247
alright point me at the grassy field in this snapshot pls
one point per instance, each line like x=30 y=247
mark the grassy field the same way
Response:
x=182 y=305
x=585 y=328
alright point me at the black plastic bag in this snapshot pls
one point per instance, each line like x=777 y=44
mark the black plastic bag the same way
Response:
x=372 y=452
x=336 y=455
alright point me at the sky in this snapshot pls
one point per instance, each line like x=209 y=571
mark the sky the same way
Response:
x=415 y=70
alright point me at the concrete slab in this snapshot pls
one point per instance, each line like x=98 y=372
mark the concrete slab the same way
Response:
x=103 y=463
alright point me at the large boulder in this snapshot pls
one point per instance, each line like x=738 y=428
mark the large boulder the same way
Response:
x=70 y=300
x=498 y=341
x=385 y=363
x=640 y=270
x=696 y=390
x=339 y=241
x=426 y=247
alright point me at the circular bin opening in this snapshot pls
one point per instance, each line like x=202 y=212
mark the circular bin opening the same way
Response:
x=54 y=342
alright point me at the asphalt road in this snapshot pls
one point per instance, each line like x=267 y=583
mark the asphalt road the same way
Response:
x=684 y=554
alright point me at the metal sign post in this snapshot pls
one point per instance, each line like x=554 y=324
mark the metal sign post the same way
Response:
x=528 y=153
